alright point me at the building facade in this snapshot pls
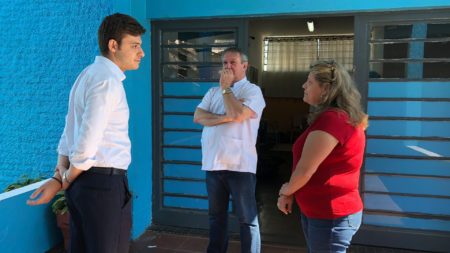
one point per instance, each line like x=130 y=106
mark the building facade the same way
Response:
x=399 y=54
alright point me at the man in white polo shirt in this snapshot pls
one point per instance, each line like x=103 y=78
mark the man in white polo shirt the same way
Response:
x=230 y=115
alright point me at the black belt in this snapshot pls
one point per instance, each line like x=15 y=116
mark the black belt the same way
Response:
x=107 y=171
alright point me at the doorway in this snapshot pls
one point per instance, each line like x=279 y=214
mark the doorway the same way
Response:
x=285 y=115
x=187 y=56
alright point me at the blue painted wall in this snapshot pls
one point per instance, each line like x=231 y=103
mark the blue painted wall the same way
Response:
x=25 y=228
x=138 y=89
x=46 y=43
x=213 y=8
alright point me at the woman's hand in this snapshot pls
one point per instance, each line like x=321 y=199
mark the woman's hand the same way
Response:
x=284 y=190
x=285 y=203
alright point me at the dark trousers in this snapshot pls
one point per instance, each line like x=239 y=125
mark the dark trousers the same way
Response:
x=100 y=211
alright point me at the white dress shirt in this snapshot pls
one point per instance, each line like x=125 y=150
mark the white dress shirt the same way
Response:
x=231 y=146
x=96 y=130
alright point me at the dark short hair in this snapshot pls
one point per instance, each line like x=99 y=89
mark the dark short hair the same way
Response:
x=115 y=27
x=244 y=57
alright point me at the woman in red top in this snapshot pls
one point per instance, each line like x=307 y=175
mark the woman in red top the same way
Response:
x=327 y=160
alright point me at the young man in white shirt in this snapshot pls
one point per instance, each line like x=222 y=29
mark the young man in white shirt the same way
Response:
x=230 y=115
x=94 y=149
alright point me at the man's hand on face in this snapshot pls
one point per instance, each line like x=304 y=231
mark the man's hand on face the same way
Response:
x=226 y=78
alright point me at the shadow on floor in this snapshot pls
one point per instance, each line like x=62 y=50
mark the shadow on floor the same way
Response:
x=162 y=242
x=165 y=242
x=156 y=241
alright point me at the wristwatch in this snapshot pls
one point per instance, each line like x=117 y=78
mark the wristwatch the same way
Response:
x=65 y=178
x=226 y=91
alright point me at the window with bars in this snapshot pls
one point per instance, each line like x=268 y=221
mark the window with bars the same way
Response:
x=194 y=55
x=408 y=141
x=292 y=54
x=410 y=51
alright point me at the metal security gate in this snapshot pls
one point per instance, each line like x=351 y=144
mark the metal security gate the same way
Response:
x=186 y=59
x=403 y=69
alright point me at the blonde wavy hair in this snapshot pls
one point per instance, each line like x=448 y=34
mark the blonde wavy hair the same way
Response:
x=341 y=93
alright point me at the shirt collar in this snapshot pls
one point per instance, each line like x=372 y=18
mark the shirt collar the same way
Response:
x=117 y=72
x=239 y=83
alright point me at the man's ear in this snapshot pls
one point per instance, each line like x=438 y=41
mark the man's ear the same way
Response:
x=113 y=45
x=245 y=65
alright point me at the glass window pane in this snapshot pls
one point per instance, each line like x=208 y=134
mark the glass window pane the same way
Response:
x=391 y=32
x=437 y=49
x=389 y=51
x=182 y=121
x=410 y=204
x=183 y=154
x=193 y=54
x=293 y=54
x=409 y=148
x=410 y=89
x=438 y=31
x=180 y=105
x=436 y=70
x=412 y=109
x=183 y=138
x=387 y=70
x=406 y=166
x=409 y=128
x=406 y=222
x=340 y=50
x=199 y=38
x=172 y=71
x=188 y=88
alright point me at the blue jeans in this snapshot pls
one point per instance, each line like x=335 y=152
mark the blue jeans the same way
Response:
x=220 y=184
x=330 y=235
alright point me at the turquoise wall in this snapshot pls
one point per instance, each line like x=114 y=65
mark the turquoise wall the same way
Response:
x=197 y=8
x=45 y=45
x=48 y=43
x=138 y=89
x=25 y=228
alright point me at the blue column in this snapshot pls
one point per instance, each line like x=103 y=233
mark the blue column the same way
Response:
x=415 y=69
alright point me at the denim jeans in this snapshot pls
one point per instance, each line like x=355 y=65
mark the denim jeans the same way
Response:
x=241 y=185
x=330 y=235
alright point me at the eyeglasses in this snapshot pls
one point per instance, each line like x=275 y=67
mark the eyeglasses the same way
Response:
x=332 y=67
x=331 y=64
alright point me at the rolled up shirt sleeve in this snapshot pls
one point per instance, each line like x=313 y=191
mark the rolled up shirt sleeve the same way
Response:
x=98 y=104
x=62 y=146
x=255 y=100
x=205 y=104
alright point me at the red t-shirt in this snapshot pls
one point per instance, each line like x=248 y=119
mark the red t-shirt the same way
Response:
x=332 y=191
